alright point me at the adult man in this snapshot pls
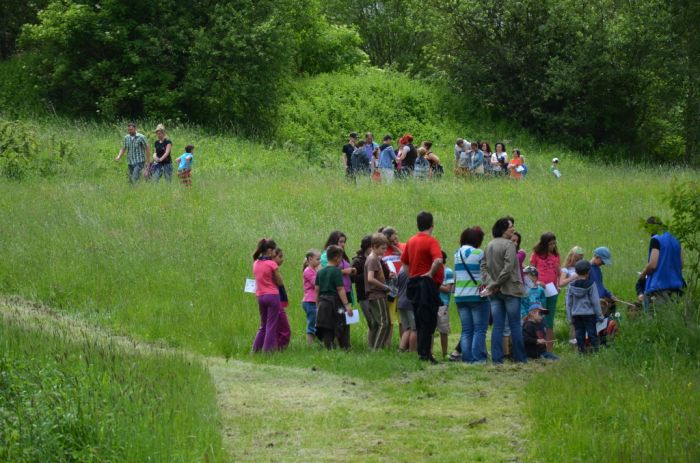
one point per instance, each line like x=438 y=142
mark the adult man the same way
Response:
x=348 y=149
x=370 y=145
x=136 y=147
x=664 y=269
x=500 y=272
x=387 y=157
x=423 y=256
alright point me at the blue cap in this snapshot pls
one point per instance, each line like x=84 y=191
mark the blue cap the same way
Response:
x=604 y=254
x=537 y=306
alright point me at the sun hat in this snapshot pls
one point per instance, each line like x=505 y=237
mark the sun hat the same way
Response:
x=604 y=254
x=530 y=269
x=555 y=160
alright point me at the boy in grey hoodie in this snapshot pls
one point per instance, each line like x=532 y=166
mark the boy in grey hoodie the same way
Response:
x=583 y=307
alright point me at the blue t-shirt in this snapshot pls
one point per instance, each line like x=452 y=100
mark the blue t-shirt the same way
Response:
x=449 y=279
x=183 y=161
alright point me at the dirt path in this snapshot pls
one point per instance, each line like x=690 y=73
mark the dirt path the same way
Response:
x=273 y=413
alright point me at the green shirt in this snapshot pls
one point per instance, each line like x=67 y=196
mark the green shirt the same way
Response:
x=329 y=279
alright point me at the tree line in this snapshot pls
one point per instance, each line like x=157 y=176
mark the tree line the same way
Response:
x=615 y=76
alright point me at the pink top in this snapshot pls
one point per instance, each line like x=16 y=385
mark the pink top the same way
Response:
x=264 y=283
x=309 y=284
x=547 y=268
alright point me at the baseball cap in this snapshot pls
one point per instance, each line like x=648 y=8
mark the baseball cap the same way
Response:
x=537 y=306
x=530 y=269
x=555 y=160
x=604 y=254
x=582 y=267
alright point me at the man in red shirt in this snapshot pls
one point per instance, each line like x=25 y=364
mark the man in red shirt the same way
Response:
x=423 y=257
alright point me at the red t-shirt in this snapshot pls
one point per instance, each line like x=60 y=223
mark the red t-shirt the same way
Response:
x=420 y=252
x=547 y=268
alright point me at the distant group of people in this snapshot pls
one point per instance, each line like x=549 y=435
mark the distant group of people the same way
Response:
x=410 y=284
x=140 y=163
x=367 y=158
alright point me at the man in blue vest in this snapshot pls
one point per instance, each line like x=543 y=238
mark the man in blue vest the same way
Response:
x=664 y=270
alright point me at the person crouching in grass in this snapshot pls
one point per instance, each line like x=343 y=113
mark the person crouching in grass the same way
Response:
x=184 y=168
x=583 y=307
x=332 y=302
x=377 y=290
x=533 y=334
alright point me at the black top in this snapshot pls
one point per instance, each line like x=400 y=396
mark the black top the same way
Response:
x=410 y=159
x=160 y=150
x=358 y=262
x=347 y=151
x=531 y=333
x=654 y=244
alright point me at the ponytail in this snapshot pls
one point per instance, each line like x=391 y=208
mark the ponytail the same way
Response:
x=309 y=254
x=264 y=245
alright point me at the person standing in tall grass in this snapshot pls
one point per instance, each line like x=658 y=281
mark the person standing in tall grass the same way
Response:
x=358 y=263
x=184 y=168
x=567 y=274
x=312 y=262
x=267 y=283
x=377 y=290
x=161 y=157
x=387 y=158
x=392 y=260
x=515 y=166
x=545 y=258
x=504 y=288
x=348 y=149
x=333 y=303
x=137 y=151
x=486 y=149
x=338 y=238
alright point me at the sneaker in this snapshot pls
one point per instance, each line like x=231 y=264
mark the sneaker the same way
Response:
x=573 y=341
x=454 y=357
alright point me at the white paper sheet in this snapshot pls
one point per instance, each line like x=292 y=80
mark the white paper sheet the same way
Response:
x=550 y=290
x=355 y=318
x=250 y=285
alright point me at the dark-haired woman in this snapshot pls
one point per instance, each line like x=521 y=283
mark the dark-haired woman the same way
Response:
x=486 y=149
x=499 y=159
x=545 y=258
x=267 y=283
x=473 y=308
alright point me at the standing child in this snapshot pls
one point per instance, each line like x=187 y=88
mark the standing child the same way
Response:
x=332 y=302
x=443 y=316
x=409 y=337
x=267 y=283
x=311 y=265
x=377 y=290
x=422 y=166
x=284 y=331
x=184 y=168
x=358 y=263
x=554 y=168
x=583 y=307
x=533 y=334
x=535 y=292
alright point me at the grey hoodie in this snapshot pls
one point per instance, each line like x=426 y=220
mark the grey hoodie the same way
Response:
x=582 y=299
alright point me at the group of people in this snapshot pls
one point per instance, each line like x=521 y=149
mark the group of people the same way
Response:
x=411 y=284
x=367 y=158
x=140 y=163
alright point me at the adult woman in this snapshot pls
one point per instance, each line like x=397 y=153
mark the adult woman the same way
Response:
x=515 y=166
x=164 y=164
x=338 y=238
x=473 y=309
x=499 y=159
x=408 y=154
x=545 y=258
x=499 y=271
x=486 y=149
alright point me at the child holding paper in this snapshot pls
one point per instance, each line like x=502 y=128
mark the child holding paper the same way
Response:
x=377 y=290
x=332 y=302
x=545 y=258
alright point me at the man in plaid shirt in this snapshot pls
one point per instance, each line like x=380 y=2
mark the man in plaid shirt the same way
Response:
x=136 y=147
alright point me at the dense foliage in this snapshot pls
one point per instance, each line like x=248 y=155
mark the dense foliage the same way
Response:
x=218 y=61
x=595 y=72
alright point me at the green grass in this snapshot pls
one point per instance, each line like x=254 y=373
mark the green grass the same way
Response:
x=69 y=395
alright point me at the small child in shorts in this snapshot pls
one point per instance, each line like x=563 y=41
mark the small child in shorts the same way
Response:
x=409 y=338
x=554 y=168
x=443 y=317
x=184 y=168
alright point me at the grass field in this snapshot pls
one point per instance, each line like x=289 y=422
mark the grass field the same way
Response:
x=160 y=263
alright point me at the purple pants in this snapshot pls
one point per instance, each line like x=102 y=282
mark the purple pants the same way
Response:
x=266 y=339
x=284 y=331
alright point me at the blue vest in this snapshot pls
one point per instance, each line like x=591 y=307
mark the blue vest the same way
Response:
x=668 y=274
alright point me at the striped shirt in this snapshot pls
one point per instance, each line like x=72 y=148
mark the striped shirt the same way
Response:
x=135 y=148
x=466 y=289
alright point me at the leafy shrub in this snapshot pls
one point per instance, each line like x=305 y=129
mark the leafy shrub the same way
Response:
x=22 y=153
x=684 y=200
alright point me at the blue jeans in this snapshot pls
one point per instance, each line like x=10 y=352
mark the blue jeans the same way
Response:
x=163 y=169
x=506 y=308
x=475 y=321
x=585 y=324
x=310 y=309
x=135 y=171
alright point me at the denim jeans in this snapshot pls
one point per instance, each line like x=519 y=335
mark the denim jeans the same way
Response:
x=475 y=321
x=506 y=308
x=135 y=171
x=585 y=324
x=163 y=169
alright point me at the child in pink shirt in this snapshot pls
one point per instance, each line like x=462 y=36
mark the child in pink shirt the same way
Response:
x=311 y=265
x=545 y=258
x=267 y=283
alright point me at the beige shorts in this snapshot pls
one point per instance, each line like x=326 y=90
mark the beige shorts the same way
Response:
x=443 y=319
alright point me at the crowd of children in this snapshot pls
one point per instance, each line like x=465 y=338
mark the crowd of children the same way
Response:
x=366 y=158
x=381 y=294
